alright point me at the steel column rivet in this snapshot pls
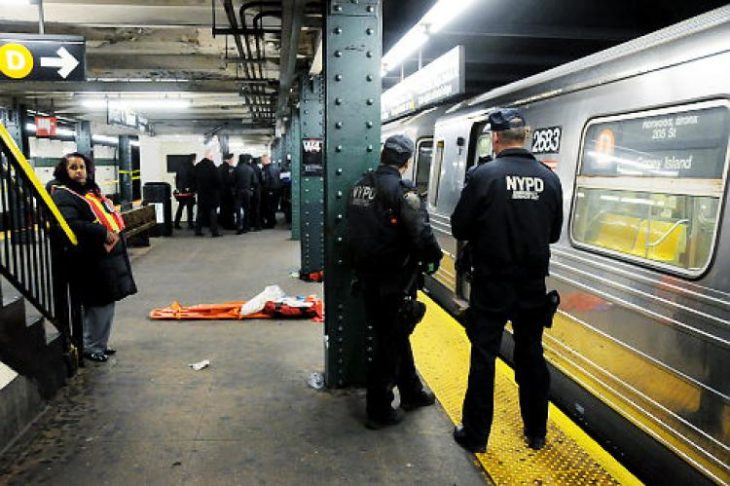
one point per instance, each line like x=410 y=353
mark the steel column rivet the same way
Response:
x=369 y=77
x=338 y=53
x=369 y=124
x=338 y=77
x=338 y=148
x=370 y=101
x=339 y=217
x=337 y=31
x=338 y=125
x=369 y=31
x=339 y=194
x=338 y=8
x=338 y=101
x=370 y=148
x=370 y=9
x=338 y=172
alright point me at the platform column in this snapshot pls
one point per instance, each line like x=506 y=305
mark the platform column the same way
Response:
x=293 y=153
x=83 y=138
x=125 y=172
x=353 y=46
x=310 y=145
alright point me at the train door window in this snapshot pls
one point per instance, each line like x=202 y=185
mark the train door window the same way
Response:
x=424 y=154
x=484 y=147
x=438 y=158
x=650 y=186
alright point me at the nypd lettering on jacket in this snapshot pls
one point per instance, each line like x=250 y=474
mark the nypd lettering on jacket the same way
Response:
x=524 y=187
x=363 y=196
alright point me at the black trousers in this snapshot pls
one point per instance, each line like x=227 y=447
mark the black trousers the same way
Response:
x=392 y=363
x=254 y=214
x=182 y=203
x=210 y=213
x=269 y=206
x=241 y=207
x=492 y=304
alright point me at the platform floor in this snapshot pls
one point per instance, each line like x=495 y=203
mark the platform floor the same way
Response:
x=250 y=418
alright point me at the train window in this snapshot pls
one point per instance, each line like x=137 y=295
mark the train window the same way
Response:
x=650 y=184
x=484 y=146
x=424 y=154
x=433 y=191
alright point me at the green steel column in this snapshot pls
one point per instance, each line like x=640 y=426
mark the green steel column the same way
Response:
x=83 y=138
x=295 y=167
x=310 y=145
x=353 y=46
x=125 y=172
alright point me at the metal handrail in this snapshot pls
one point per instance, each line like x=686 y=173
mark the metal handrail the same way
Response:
x=666 y=233
x=33 y=239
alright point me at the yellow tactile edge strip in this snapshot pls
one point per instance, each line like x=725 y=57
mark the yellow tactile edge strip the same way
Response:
x=441 y=351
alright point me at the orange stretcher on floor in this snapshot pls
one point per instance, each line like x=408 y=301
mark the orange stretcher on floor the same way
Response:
x=232 y=311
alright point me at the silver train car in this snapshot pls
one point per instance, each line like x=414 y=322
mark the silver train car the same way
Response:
x=638 y=134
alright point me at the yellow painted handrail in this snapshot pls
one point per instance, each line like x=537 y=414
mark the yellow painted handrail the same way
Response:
x=33 y=178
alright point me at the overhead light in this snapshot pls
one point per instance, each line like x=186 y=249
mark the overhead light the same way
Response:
x=162 y=104
x=407 y=45
x=435 y=19
x=442 y=13
x=15 y=2
x=61 y=132
x=105 y=139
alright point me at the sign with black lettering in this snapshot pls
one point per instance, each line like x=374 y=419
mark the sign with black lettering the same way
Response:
x=681 y=143
x=312 y=157
x=546 y=140
x=439 y=80
x=27 y=57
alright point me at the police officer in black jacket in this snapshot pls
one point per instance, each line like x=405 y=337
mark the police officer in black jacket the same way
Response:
x=509 y=212
x=390 y=237
x=244 y=185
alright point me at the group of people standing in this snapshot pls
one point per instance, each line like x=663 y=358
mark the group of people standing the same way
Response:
x=508 y=225
x=242 y=195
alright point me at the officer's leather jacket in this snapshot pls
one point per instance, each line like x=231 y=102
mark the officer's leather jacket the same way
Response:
x=388 y=228
x=510 y=212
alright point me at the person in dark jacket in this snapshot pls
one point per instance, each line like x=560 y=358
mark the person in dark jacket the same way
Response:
x=271 y=191
x=254 y=219
x=244 y=185
x=208 y=183
x=509 y=212
x=98 y=266
x=185 y=192
x=390 y=241
x=225 y=214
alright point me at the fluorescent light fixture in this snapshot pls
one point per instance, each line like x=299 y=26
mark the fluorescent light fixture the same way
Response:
x=105 y=139
x=161 y=104
x=435 y=19
x=134 y=143
x=407 y=45
x=442 y=13
x=65 y=132
x=15 y=2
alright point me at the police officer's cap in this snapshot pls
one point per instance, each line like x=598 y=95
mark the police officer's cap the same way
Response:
x=400 y=144
x=505 y=119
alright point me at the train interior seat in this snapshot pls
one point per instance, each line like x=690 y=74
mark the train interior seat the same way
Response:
x=663 y=241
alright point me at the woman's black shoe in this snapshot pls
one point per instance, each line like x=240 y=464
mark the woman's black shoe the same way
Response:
x=98 y=357
x=464 y=441
x=109 y=351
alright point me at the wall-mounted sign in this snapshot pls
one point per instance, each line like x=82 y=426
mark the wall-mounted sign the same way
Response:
x=46 y=126
x=127 y=118
x=312 y=157
x=440 y=80
x=27 y=57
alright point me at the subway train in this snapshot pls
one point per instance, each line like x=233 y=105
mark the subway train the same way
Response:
x=638 y=134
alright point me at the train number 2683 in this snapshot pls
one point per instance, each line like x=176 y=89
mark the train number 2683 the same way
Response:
x=546 y=140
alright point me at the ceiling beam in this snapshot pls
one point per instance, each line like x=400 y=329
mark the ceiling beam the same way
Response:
x=207 y=86
x=291 y=27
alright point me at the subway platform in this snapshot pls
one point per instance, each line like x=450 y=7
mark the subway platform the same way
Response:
x=145 y=417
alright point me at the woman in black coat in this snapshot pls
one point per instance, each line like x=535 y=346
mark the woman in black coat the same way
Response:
x=99 y=267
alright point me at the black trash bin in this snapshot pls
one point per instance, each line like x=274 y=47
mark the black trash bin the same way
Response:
x=159 y=194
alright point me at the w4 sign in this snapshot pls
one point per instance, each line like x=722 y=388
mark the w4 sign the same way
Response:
x=42 y=58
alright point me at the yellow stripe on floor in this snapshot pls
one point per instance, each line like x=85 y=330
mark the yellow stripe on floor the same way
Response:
x=441 y=350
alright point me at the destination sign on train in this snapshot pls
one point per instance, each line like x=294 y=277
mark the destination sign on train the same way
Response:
x=439 y=80
x=27 y=57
